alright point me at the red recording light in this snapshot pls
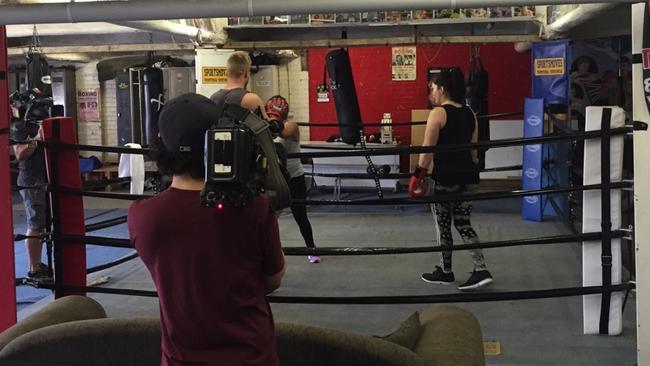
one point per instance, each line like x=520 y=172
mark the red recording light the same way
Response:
x=219 y=206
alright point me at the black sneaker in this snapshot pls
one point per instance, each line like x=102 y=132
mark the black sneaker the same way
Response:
x=439 y=277
x=43 y=273
x=477 y=280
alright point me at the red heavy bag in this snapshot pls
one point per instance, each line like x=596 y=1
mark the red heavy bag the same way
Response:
x=338 y=67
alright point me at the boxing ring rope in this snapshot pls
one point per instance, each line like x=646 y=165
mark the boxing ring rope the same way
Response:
x=385 y=300
x=394 y=201
x=345 y=251
x=415 y=123
x=106 y=224
x=606 y=235
x=402 y=175
x=114 y=263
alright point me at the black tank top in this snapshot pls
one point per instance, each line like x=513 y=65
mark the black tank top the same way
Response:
x=232 y=96
x=456 y=167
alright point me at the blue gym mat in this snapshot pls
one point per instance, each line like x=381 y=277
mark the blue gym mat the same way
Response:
x=95 y=255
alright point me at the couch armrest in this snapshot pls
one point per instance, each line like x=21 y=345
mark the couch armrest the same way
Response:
x=65 y=309
x=97 y=342
x=451 y=336
x=300 y=344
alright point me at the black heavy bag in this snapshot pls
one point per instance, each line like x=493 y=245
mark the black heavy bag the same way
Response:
x=38 y=73
x=345 y=95
x=477 y=99
x=153 y=102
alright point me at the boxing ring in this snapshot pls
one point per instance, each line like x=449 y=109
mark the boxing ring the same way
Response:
x=68 y=238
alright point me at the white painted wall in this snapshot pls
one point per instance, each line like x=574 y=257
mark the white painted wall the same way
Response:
x=297 y=88
x=209 y=58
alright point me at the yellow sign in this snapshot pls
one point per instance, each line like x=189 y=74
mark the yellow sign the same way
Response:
x=492 y=348
x=213 y=75
x=549 y=66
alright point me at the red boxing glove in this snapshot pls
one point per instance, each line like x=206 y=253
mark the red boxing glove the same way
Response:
x=417 y=185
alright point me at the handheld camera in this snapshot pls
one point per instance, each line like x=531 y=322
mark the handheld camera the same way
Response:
x=241 y=162
x=28 y=110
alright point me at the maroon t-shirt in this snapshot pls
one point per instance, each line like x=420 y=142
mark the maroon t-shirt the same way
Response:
x=208 y=266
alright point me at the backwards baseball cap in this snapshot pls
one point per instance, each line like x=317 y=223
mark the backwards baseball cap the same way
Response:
x=183 y=121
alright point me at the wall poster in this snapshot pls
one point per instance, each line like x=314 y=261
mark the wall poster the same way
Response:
x=403 y=63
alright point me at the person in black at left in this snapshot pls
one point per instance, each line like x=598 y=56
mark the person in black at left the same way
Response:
x=451 y=123
x=26 y=130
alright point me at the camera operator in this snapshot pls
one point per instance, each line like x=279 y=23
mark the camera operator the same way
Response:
x=212 y=267
x=26 y=130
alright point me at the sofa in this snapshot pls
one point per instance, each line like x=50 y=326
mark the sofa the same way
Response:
x=74 y=330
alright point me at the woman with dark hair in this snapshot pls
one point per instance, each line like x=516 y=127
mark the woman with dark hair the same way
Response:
x=451 y=123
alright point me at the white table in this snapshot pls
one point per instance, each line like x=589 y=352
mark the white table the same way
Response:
x=350 y=164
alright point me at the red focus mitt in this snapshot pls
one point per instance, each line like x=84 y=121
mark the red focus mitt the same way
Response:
x=277 y=108
x=417 y=185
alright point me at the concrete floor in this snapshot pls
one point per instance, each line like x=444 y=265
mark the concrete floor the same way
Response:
x=531 y=332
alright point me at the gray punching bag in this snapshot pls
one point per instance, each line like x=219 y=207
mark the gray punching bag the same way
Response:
x=153 y=102
x=345 y=95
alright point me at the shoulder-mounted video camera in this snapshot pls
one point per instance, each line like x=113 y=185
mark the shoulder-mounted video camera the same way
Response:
x=28 y=110
x=241 y=162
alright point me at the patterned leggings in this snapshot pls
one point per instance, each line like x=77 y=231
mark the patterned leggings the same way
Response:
x=460 y=213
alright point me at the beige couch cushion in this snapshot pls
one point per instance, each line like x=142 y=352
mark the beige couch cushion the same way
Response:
x=97 y=342
x=451 y=336
x=65 y=309
x=303 y=345
x=408 y=333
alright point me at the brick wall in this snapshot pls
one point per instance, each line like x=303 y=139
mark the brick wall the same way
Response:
x=509 y=79
x=294 y=85
x=297 y=89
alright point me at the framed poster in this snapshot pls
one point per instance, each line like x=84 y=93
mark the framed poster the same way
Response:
x=88 y=107
x=403 y=63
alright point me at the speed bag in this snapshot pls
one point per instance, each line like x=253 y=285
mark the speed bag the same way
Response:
x=337 y=63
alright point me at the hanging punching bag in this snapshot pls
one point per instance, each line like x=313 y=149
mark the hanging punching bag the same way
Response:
x=153 y=102
x=38 y=73
x=345 y=96
x=477 y=99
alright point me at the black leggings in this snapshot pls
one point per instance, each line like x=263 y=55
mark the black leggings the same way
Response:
x=298 y=188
